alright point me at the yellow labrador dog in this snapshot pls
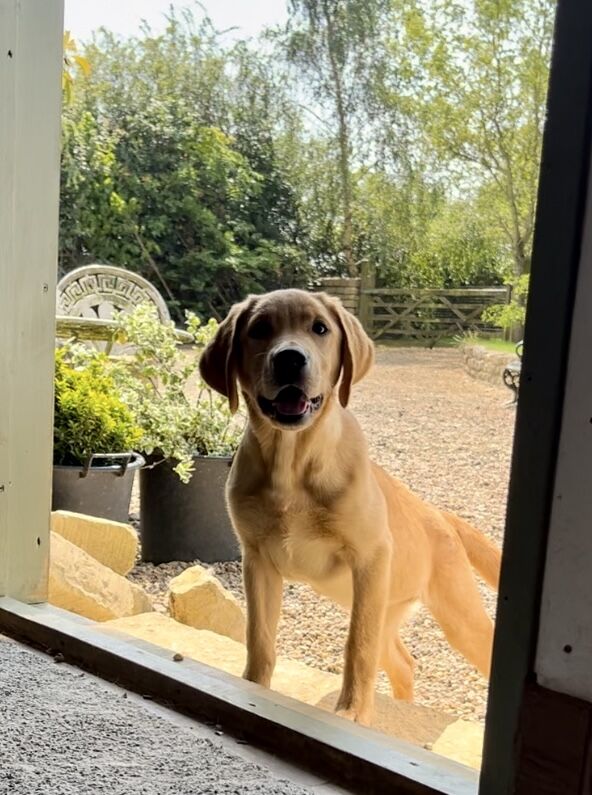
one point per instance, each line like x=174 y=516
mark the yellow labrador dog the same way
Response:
x=309 y=505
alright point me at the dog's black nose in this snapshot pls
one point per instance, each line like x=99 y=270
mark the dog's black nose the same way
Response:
x=288 y=365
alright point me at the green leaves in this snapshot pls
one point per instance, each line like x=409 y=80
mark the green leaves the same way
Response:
x=168 y=166
x=459 y=251
x=476 y=76
x=336 y=45
x=510 y=315
x=179 y=415
x=89 y=417
x=405 y=132
x=152 y=400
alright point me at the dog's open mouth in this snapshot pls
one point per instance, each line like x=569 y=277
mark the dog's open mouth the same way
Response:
x=290 y=406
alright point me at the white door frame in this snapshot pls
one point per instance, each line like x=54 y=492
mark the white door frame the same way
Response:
x=30 y=104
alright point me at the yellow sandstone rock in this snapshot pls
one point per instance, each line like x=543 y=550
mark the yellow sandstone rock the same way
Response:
x=463 y=742
x=79 y=583
x=410 y=722
x=112 y=543
x=198 y=599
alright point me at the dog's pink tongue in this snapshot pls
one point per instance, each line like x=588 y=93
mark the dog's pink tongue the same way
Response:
x=292 y=407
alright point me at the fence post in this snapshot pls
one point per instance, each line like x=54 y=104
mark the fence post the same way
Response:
x=367 y=282
x=507 y=332
x=515 y=332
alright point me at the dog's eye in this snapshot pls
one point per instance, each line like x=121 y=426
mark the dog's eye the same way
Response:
x=260 y=330
x=319 y=328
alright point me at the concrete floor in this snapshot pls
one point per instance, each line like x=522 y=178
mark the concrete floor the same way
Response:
x=65 y=732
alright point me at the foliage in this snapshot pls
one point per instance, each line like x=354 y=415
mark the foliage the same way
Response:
x=72 y=60
x=391 y=224
x=91 y=218
x=333 y=45
x=458 y=251
x=89 y=417
x=402 y=132
x=161 y=178
x=476 y=78
x=179 y=415
x=311 y=171
x=513 y=314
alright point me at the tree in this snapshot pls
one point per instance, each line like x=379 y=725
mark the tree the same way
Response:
x=333 y=44
x=458 y=249
x=476 y=83
x=402 y=132
x=392 y=219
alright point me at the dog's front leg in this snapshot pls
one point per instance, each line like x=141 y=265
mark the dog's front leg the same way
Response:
x=263 y=590
x=370 y=584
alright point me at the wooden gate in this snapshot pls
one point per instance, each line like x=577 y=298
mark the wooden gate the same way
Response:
x=426 y=314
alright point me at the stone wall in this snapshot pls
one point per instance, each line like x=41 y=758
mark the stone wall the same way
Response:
x=346 y=289
x=485 y=365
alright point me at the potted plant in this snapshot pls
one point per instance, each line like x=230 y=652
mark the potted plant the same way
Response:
x=94 y=438
x=188 y=439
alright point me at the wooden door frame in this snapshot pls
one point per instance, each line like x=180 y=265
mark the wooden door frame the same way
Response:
x=30 y=105
x=559 y=232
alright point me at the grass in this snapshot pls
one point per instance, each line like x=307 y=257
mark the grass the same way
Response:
x=492 y=344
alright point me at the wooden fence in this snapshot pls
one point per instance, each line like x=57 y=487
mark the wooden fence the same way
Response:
x=426 y=314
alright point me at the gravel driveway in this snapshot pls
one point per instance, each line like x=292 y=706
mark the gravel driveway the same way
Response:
x=449 y=438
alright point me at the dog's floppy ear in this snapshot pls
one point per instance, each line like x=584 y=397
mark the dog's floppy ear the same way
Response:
x=357 y=349
x=218 y=364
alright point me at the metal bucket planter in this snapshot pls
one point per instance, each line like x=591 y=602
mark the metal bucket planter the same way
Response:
x=95 y=489
x=186 y=521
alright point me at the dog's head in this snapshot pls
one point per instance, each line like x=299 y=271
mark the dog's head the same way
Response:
x=288 y=350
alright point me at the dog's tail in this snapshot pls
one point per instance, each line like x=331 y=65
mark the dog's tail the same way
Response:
x=484 y=556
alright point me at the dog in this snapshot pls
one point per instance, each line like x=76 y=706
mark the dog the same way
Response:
x=308 y=505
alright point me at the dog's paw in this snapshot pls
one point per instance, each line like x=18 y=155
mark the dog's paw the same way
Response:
x=363 y=717
x=259 y=677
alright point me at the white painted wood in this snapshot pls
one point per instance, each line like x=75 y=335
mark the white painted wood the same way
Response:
x=564 y=651
x=30 y=103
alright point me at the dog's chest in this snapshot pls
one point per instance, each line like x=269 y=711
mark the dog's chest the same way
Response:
x=301 y=536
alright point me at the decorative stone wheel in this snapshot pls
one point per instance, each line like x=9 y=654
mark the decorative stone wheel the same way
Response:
x=98 y=292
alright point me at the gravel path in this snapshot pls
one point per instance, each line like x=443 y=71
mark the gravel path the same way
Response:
x=449 y=438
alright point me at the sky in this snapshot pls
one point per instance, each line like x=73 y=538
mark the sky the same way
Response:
x=124 y=16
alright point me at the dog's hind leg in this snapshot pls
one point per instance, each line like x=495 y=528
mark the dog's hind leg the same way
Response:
x=399 y=666
x=454 y=600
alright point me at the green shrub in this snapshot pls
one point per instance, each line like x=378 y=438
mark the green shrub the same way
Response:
x=180 y=416
x=89 y=417
x=513 y=314
x=158 y=382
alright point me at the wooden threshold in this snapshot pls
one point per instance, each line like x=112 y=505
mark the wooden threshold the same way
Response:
x=350 y=755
